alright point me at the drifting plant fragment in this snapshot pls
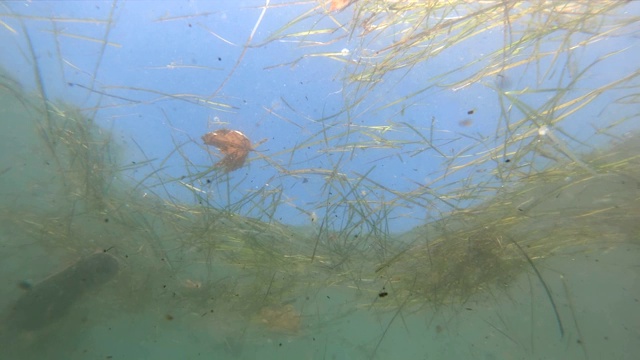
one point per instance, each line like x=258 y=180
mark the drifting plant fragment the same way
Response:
x=233 y=144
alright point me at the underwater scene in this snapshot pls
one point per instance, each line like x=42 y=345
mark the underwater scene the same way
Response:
x=320 y=179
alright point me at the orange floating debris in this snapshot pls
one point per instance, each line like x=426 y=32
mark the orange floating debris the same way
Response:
x=233 y=144
x=339 y=4
x=281 y=319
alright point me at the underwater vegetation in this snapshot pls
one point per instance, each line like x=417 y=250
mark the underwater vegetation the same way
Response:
x=374 y=220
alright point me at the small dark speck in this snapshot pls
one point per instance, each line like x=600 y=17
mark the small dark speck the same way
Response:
x=280 y=344
x=507 y=160
x=470 y=112
x=469 y=309
x=383 y=294
x=189 y=25
x=579 y=341
x=168 y=317
x=25 y=285
x=106 y=220
x=109 y=357
x=219 y=59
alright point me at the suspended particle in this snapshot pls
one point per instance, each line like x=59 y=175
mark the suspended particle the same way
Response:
x=465 y=122
x=543 y=130
x=337 y=5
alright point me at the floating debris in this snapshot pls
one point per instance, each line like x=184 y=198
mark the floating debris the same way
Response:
x=233 y=144
x=51 y=299
x=282 y=319
x=337 y=5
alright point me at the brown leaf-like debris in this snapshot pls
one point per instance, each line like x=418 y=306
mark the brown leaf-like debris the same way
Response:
x=233 y=144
